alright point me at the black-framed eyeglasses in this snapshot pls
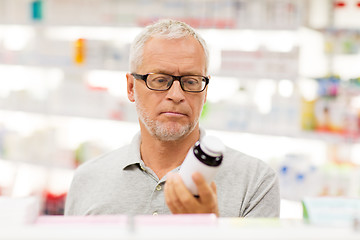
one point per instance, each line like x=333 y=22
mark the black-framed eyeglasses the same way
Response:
x=163 y=82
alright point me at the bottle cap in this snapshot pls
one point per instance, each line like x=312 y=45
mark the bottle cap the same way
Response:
x=212 y=146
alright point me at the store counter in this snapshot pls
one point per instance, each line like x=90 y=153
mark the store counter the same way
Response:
x=172 y=227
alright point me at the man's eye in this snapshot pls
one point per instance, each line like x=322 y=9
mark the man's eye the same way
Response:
x=191 y=81
x=160 y=80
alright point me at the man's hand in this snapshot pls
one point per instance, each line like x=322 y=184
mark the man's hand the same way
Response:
x=180 y=200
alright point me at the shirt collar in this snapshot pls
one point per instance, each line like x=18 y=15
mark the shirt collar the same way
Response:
x=134 y=156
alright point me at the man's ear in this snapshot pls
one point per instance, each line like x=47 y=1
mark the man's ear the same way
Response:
x=205 y=94
x=130 y=87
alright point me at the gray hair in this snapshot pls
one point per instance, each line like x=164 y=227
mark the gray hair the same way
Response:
x=165 y=28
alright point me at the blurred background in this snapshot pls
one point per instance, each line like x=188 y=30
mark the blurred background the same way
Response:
x=285 y=88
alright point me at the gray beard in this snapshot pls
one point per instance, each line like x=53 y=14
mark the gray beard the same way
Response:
x=160 y=130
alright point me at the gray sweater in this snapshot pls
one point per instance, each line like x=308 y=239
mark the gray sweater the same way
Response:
x=120 y=183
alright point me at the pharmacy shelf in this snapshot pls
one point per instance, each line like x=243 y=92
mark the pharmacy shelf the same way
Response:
x=130 y=29
x=52 y=117
x=66 y=66
x=70 y=68
x=150 y=228
x=138 y=25
x=257 y=75
x=46 y=165
x=45 y=109
x=326 y=137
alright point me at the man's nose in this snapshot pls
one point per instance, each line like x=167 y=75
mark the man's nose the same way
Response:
x=175 y=93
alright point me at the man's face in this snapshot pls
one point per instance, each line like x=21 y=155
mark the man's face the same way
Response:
x=172 y=114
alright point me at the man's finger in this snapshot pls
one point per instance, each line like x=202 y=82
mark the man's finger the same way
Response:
x=206 y=193
x=213 y=187
x=186 y=198
x=171 y=197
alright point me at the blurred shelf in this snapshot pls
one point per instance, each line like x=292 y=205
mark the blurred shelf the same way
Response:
x=33 y=163
x=326 y=137
x=308 y=135
x=53 y=116
x=256 y=75
x=123 y=34
x=66 y=65
x=203 y=228
x=222 y=26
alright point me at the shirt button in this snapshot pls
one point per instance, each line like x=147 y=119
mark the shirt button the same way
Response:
x=158 y=187
x=155 y=213
x=142 y=168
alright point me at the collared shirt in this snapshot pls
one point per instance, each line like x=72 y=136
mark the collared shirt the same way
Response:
x=120 y=183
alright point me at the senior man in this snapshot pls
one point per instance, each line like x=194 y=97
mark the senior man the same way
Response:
x=168 y=83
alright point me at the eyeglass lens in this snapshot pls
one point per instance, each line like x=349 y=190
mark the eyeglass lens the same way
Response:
x=164 y=82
